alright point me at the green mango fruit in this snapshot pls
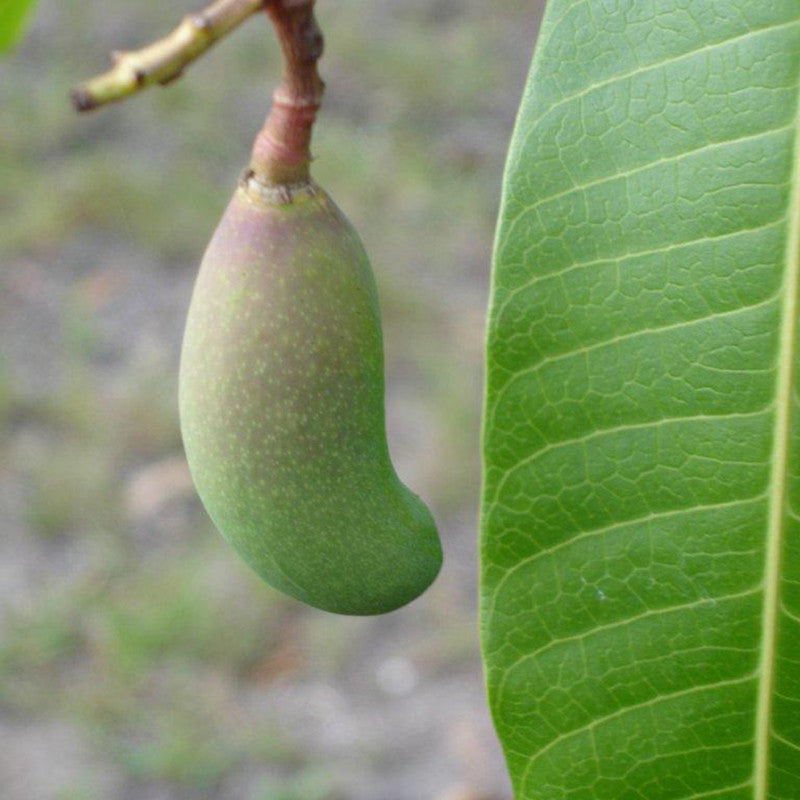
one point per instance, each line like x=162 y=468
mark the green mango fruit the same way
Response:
x=282 y=408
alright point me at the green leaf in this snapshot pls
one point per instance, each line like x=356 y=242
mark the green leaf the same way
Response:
x=640 y=592
x=14 y=15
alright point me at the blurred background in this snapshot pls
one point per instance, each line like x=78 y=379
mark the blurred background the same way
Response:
x=139 y=658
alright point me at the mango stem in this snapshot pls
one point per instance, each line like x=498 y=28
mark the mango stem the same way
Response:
x=282 y=150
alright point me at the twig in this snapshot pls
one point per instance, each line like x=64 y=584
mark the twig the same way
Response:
x=164 y=60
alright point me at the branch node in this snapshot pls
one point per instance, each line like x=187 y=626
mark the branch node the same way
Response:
x=201 y=22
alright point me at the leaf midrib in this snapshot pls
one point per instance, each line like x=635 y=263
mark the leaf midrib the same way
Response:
x=779 y=468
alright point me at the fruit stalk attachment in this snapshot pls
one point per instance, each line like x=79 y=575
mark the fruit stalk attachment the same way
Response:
x=281 y=153
x=164 y=61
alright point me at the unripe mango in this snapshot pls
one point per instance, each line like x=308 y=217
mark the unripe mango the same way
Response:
x=282 y=408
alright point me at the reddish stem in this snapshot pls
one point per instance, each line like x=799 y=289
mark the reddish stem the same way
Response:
x=282 y=150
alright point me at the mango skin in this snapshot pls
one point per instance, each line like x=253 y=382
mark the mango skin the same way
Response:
x=282 y=410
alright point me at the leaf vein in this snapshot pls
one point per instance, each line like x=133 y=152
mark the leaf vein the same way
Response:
x=621 y=623
x=615 y=340
x=642 y=426
x=784 y=392
x=689 y=54
x=533 y=758
x=649 y=165
x=618 y=259
x=592 y=533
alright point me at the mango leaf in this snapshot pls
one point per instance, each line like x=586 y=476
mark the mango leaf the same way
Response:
x=640 y=592
x=14 y=15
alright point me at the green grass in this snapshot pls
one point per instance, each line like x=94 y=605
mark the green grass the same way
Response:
x=142 y=659
x=73 y=489
x=309 y=785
